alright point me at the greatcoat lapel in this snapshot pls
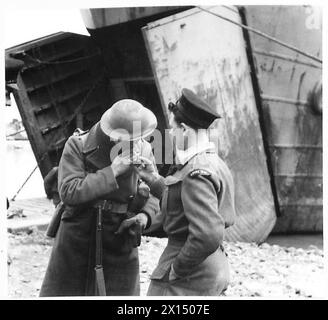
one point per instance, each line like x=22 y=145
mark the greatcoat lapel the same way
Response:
x=97 y=148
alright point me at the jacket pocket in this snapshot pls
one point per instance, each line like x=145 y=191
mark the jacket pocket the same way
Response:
x=161 y=272
x=173 y=204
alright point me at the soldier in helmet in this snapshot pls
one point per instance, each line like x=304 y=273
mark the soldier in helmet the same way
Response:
x=89 y=256
x=197 y=201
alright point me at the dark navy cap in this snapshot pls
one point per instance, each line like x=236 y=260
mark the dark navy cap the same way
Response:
x=194 y=111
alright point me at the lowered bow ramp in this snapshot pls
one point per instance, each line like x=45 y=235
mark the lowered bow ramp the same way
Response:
x=60 y=86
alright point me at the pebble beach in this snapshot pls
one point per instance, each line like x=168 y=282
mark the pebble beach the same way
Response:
x=257 y=271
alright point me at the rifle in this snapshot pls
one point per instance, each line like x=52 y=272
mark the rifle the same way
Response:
x=135 y=205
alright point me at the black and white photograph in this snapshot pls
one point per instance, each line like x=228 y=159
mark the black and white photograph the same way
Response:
x=164 y=150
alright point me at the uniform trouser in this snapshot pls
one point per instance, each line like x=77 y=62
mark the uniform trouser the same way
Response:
x=210 y=278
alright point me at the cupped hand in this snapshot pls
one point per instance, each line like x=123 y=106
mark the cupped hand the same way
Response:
x=145 y=169
x=120 y=165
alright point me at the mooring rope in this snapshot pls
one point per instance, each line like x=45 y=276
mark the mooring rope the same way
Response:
x=13 y=134
x=264 y=35
x=28 y=178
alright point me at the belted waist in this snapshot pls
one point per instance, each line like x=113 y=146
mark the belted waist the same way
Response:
x=179 y=242
x=113 y=206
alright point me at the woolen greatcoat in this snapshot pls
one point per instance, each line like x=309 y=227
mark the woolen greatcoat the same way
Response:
x=197 y=203
x=84 y=176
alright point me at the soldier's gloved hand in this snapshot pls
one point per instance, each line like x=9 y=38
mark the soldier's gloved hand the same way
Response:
x=134 y=227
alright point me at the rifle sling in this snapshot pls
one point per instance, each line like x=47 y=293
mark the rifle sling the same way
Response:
x=100 y=279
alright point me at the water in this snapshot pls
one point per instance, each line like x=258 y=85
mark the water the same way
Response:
x=20 y=162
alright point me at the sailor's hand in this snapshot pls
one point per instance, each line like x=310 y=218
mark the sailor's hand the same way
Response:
x=120 y=165
x=146 y=170
x=145 y=164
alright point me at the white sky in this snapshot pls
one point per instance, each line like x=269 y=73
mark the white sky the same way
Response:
x=25 y=21
x=23 y=25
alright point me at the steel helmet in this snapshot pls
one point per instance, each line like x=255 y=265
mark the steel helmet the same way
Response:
x=128 y=120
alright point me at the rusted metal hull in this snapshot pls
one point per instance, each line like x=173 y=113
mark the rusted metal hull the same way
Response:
x=293 y=128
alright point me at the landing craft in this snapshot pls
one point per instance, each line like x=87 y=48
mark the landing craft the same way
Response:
x=259 y=66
